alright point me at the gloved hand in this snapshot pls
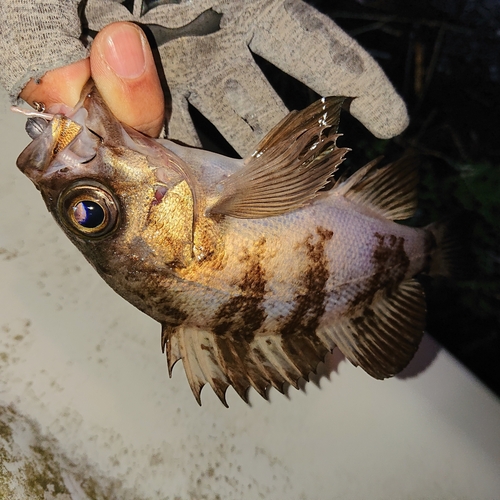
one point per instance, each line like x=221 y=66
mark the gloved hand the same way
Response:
x=204 y=48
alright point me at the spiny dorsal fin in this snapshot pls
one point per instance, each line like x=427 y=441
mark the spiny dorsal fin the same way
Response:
x=195 y=347
x=383 y=338
x=221 y=362
x=291 y=164
x=391 y=191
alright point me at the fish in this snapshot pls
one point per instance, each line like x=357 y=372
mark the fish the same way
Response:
x=254 y=269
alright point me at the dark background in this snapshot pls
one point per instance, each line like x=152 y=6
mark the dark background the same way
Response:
x=443 y=57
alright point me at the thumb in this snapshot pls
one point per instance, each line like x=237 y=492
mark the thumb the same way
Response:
x=123 y=70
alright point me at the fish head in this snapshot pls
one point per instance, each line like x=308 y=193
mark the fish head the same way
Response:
x=122 y=199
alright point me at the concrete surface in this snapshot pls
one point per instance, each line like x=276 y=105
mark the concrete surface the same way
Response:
x=87 y=367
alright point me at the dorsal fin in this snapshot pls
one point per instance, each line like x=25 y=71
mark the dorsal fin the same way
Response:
x=291 y=164
x=381 y=338
x=390 y=191
x=219 y=361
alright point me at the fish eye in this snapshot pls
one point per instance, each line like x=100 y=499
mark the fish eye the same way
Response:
x=88 y=209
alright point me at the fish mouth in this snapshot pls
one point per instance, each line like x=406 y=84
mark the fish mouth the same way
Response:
x=59 y=144
x=72 y=133
x=61 y=140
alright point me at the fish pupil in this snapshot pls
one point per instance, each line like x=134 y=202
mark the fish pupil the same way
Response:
x=88 y=214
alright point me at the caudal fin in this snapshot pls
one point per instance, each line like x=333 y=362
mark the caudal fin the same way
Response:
x=448 y=256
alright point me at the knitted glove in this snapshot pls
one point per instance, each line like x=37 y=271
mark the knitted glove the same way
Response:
x=205 y=48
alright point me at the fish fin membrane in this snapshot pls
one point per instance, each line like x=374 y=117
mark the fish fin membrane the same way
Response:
x=383 y=337
x=290 y=165
x=267 y=361
x=451 y=257
x=170 y=347
x=390 y=191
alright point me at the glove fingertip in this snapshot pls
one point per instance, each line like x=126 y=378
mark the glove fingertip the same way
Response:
x=385 y=117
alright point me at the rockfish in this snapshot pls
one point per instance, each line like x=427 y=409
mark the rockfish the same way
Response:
x=253 y=269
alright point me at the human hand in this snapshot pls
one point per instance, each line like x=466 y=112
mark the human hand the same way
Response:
x=123 y=70
x=205 y=47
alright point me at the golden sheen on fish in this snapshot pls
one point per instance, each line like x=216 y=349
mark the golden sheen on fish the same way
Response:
x=253 y=270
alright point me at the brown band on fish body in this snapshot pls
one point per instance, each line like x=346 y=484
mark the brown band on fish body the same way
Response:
x=157 y=301
x=390 y=253
x=166 y=308
x=171 y=306
x=298 y=332
x=237 y=320
x=242 y=315
x=390 y=262
x=174 y=316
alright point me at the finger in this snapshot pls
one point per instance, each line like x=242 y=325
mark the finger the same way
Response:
x=123 y=69
x=61 y=85
x=309 y=46
x=35 y=36
x=180 y=125
x=241 y=104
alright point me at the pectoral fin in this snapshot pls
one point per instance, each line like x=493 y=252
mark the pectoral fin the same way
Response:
x=291 y=164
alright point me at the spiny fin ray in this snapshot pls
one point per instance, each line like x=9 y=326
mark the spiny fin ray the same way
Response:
x=383 y=339
x=170 y=344
x=221 y=362
x=390 y=191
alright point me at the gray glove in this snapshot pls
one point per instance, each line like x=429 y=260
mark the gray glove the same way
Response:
x=204 y=47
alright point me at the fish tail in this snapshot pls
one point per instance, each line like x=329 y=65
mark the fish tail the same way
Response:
x=447 y=255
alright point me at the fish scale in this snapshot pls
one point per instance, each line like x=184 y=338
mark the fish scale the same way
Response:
x=254 y=270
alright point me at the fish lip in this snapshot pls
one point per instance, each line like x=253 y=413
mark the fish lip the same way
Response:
x=64 y=143
x=56 y=149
